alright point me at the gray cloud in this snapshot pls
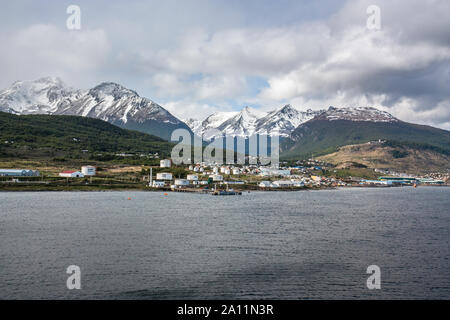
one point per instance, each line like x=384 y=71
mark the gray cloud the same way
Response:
x=218 y=55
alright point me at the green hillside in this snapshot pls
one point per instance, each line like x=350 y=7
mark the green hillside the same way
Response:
x=72 y=134
x=321 y=136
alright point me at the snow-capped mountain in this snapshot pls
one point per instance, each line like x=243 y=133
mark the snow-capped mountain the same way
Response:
x=241 y=124
x=283 y=120
x=356 y=114
x=44 y=95
x=250 y=121
x=108 y=101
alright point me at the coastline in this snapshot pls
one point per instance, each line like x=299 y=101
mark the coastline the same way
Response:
x=32 y=188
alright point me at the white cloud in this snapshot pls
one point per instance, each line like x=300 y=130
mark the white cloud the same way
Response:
x=403 y=68
x=41 y=50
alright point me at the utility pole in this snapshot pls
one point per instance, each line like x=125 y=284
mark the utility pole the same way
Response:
x=150 y=177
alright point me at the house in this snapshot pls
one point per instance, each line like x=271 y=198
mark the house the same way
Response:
x=265 y=184
x=166 y=163
x=88 y=170
x=274 y=172
x=192 y=177
x=71 y=174
x=283 y=183
x=235 y=170
x=182 y=182
x=158 y=184
x=216 y=177
x=164 y=176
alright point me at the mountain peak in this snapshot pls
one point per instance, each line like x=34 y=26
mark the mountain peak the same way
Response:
x=356 y=114
x=114 y=89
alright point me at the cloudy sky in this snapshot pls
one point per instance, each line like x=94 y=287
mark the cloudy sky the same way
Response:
x=199 y=56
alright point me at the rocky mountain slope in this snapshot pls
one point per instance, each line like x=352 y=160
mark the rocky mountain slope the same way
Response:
x=107 y=101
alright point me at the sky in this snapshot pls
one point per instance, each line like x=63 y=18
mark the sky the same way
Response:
x=197 y=57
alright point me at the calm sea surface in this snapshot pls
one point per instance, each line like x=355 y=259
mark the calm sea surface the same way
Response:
x=274 y=245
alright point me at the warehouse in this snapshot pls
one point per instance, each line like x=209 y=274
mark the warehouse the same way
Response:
x=71 y=174
x=18 y=173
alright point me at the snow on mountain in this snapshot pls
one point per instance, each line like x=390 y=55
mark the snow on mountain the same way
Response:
x=241 y=124
x=116 y=104
x=282 y=120
x=108 y=101
x=194 y=124
x=41 y=96
x=356 y=114
x=250 y=121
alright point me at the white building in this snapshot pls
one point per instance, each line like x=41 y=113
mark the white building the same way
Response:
x=227 y=171
x=18 y=173
x=166 y=163
x=235 y=170
x=164 y=176
x=88 y=170
x=274 y=172
x=181 y=182
x=265 y=184
x=283 y=183
x=192 y=177
x=216 y=177
x=158 y=184
x=71 y=174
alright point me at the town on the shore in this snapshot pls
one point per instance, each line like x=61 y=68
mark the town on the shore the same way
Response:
x=304 y=174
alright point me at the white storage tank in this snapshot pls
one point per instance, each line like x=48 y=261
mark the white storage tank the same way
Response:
x=88 y=170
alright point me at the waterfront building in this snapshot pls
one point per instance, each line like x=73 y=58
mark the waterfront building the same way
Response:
x=18 y=173
x=164 y=176
x=181 y=182
x=71 y=174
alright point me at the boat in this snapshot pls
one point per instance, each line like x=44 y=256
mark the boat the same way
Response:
x=228 y=192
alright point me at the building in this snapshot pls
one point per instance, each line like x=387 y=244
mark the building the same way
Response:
x=88 y=170
x=166 y=163
x=265 y=184
x=18 y=173
x=164 y=176
x=158 y=184
x=274 y=172
x=192 y=177
x=235 y=170
x=182 y=182
x=71 y=174
x=216 y=177
x=283 y=183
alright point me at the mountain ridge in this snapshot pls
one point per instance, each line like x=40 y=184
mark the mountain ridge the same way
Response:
x=107 y=101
